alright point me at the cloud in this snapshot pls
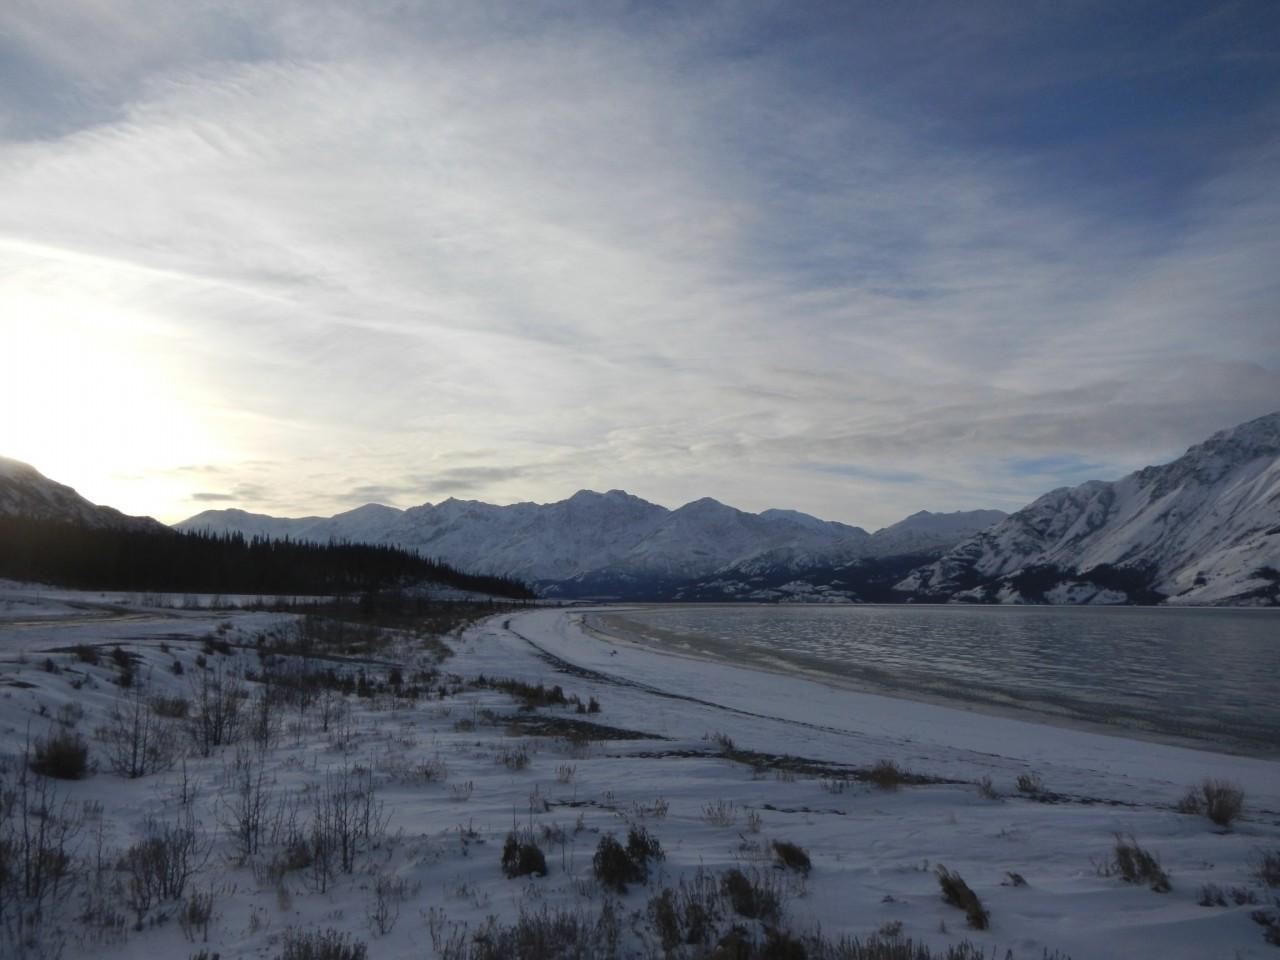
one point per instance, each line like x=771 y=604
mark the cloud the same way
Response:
x=404 y=254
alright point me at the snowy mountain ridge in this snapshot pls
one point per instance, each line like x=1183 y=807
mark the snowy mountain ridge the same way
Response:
x=613 y=535
x=1204 y=528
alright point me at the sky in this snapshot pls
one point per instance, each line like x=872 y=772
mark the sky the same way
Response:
x=856 y=259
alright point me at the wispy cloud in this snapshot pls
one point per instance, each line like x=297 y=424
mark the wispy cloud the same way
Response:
x=738 y=250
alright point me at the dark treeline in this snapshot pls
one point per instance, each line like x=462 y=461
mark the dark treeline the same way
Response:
x=48 y=551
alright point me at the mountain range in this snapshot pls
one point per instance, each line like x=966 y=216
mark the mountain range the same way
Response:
x=615 y=544
x=1204 y=528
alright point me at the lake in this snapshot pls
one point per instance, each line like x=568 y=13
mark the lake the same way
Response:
x=1208 y=676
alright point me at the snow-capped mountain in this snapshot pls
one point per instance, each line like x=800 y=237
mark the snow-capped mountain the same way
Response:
x=925 y=531
x=1202 y=529
x=614 y=543
x=584 y=535
x=25 y=492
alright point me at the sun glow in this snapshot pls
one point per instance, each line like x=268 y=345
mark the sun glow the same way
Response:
x=91 y=399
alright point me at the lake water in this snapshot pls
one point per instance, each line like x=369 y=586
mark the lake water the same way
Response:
x=1211 y=676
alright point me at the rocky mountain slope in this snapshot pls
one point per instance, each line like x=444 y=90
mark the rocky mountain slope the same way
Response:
x=612 y=543
x=25 y=492
x=1202 y=529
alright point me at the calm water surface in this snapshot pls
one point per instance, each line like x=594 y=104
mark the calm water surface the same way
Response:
x=1208 y=675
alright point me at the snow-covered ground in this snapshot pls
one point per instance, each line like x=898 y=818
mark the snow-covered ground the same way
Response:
x=447 y=770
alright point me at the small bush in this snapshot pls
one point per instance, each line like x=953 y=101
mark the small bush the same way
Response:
x=514 y=758
x=665 y=919
x=614 y=866
x=1219 y=800
x=1135 y=865
x=751 y=897
x=642 y=846
x=886 y=775
x=957 y=893
x=171 y=708
x=521 y=857
x=1030 y=783
x=63 y=755
x=86 y=654
x=195 y=915
x=791 y=856
x=720 y=813
x=213 y=645
x=546 y=935
x=1268 y=870
x=987 y=789
x=321 y=945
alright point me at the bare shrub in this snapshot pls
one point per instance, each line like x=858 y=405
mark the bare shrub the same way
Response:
x=1135 y=865
x=521 y=856
x=136 y=740
x=549 y=933
x=330 y=944
x=434 y=770
x=753 y=896
x=243 y=809
x=171 y=708
x=613 y=867
x=724 y=743
x=957 y=893
x=689 y=914
x=642 y=847
x=886 y=775
x=1220 y=801
x=791 y=856
x=39 y=832
x=158 y=867
x=565 y=773
x=384 y=910
x=720 y=813
x=86 y=654
x=514 y=758
x=987 y=790
x=1030 y=783
x=346 y=818
x=62 y=755
x=1267 y=871
x=196 y=914
x=217 y=706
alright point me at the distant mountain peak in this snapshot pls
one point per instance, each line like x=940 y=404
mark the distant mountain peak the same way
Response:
x=1203 y=528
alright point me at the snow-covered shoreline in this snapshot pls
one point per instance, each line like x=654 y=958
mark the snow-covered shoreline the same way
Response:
x=614 y=625
x=861 y=726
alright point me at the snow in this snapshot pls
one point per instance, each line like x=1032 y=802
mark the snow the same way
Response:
x=873 y=851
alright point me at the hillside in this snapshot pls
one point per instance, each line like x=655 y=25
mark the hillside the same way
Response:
x=1202 y=529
